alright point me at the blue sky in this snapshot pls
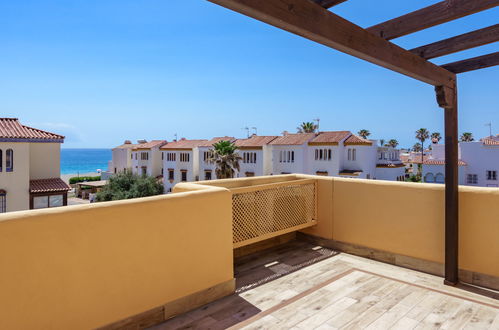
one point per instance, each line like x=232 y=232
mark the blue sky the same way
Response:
x=108 y=70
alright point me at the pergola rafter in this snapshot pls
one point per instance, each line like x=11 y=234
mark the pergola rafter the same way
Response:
x=427 y=17
x=311 y=19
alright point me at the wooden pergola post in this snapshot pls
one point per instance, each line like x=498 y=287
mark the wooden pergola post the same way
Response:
x=447 y=99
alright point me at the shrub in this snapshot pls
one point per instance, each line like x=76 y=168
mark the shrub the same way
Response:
x=77 y=179
x=127 y=185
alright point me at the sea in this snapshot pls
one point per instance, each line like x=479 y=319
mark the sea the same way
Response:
x=75 y=161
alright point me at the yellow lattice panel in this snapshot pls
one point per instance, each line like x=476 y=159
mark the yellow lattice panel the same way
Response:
x=265 y=211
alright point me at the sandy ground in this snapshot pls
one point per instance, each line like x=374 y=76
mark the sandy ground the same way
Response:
x=66 y=177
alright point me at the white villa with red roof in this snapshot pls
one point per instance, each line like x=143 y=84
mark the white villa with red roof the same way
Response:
x=146 y=158
x=478 y=163
x=180 y=162
x=256 y=155
x=122 y=157
x=29 y=168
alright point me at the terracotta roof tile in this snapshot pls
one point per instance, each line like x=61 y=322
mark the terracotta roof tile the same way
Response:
x=152 y=144
x=48 y=185
x=441 y=162
x=183 y=144
x=11 y=128
x=255 y=141
x=331 y=137
x=126 y=146
x=211 y=142
x=293 y=139
x=357 y=140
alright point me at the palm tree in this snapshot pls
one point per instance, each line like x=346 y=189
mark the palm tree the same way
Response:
x=307 y=127
x=435 y=137
x=467 y=137
x=393 y=143
x=364 y=133
x=382 y=142
x=422 y=135
x=417 y=147
x=226 y=158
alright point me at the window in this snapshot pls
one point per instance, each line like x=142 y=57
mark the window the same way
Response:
x=184 y=157
x=115 y=170
x=207 y=155
x=42 y=202
x=162 y=156
x=429 y=177
x=249 y=157
x=144 y=170
x=56 y=200
x=472 y=179
x=162 y=171
x=349 y=154
x=135 y=156
x=184 y=175
x=292 y=156
x=323 y=154
x=249 y=174
x=354 y=154
x=171 y=156
x=9 y=164
x=3 y=201
x=144 y=156
x=1 y=161
x=207 y=175
x=171 y=174
x=491 y=175
x=439 y=178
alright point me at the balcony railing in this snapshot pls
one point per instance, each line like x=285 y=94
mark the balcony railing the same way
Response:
x=265 y=211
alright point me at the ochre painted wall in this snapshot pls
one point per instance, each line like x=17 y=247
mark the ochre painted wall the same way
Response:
x=80 y=267
x=45 y=160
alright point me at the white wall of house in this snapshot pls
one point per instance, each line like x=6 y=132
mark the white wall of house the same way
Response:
x=481 y=159
x=436 y=174
x=252 y=162
x=122 y=160
x=364 y=160
x=205 y=165
x=390 y=173
x=319 y=160
x=152 y=163
x=16 y=183
x=182 y=161
x=289 y=159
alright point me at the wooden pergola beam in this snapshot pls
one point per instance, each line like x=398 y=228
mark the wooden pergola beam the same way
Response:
x=328 y=3
x=459 y=43
x=424 y=18
x=474 y=63
x=305 y=18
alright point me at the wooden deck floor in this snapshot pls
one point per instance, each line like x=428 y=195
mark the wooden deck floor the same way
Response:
x=301 y=286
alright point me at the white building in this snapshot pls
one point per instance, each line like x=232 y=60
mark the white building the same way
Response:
x=256 y=155
x=29 y=168
x=122 y=158
x=147 y=158
x=389 y=166
x=478 y=163
x=207 y=169
x=180 y=162
x=290 y=153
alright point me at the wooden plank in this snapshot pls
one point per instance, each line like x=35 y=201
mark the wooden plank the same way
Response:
x=305 y=18
x=475 y=63
x=274 y=234
x=459 y=43
x=329 y=3
x=424 y=18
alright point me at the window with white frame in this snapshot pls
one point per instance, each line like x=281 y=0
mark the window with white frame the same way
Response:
x=352 y=154
x=472 y=179
x=207 y=155
x=286 y=156
x=9 y=160
x=1 y=160
x=492 y=175
x=323 y=154
x=249 y=157
x=171 y=156
x=184 y=157
x=144 y=156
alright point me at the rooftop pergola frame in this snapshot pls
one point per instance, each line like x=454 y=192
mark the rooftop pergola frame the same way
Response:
x=313 y=20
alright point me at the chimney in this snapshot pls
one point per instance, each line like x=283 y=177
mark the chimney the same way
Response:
x=128 y=142
x=182 y=139
x=141 y=141
x=285 y=133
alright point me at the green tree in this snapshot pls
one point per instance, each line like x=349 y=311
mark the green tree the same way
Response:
x=467 y=137
x=226 y=159
x=127 y=185
x=435 y=137
x=422 y=135
x=417 y=147
x=307 y=127
x=364 y=133
x=382 y=142
x=393 y=143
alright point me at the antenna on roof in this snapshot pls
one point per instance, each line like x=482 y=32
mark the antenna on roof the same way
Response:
x=318 y=120
x=176 y=136
x=255 y=129
x=247 y=131
x=490 y=128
